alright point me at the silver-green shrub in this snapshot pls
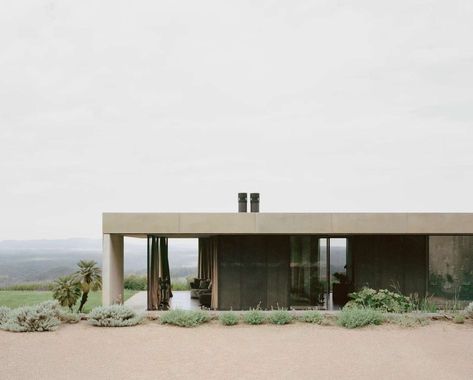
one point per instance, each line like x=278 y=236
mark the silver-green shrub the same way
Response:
x=409 y=320
x=312 y=316
x=280 y=317
x=69 y=317
x=353 y=317
x=254 y=317
x=41 y=317
x=4 y=311
x=184 y=318
x=469 y=310
x=114 y=316
x=229 y=318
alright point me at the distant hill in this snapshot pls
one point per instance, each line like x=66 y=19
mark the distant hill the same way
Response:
x=44 y=260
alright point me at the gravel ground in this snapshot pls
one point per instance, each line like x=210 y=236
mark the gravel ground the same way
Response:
x=298 y=351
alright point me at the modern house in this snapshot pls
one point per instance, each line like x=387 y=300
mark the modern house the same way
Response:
x=286 y=259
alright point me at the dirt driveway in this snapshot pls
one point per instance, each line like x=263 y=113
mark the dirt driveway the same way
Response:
x=298 y=351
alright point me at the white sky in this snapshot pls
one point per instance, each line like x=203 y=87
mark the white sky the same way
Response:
x=178 y=105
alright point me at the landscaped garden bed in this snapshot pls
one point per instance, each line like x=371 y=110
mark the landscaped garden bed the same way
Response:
x=367 y=307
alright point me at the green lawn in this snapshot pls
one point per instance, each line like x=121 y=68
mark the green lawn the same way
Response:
x=15 y=298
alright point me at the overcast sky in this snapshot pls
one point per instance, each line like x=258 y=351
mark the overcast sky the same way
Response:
x=178 y=105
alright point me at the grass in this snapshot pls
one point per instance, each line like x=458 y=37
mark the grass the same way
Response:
x=30 y=286
x=16 y=298
x=180 y=285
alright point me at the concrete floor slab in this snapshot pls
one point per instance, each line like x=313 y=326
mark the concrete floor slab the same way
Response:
x=180 y=300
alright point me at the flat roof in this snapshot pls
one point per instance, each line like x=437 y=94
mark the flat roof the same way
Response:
x=202 y=224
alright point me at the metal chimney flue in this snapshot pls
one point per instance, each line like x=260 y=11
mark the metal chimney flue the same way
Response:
x=254 y=202
x=242 y=202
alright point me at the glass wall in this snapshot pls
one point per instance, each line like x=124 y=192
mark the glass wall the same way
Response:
x=306 y=288
x=318 y=272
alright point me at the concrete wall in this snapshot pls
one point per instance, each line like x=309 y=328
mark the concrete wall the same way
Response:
x=381 y=261
x=451 y=266
x=253 y=270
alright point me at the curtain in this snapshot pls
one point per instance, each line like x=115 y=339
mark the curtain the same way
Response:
x=199 y=258
x=153 y=274
x=165 y=273
x=159 y=275
x=204 y=258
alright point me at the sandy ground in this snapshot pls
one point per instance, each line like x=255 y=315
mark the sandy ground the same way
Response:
x=299 y=351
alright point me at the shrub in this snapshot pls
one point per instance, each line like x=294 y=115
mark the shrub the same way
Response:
x=329 y=320
x=410 y=320
x=459 y=318
x=114 y=316
x=312 y=316
x=184 y=318
x=135 y=282
x=353 y=317
x=254 y=317
x=229 y=318
x=69 y=317
x=469 y=310
x=280 y=317
x=383 y=300
x=67 y=291
x=42 y=317
x=4 y=311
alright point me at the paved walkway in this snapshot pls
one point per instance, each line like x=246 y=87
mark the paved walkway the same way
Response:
x=180 y=300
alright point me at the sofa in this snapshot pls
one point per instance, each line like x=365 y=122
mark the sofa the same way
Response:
x=200 y=286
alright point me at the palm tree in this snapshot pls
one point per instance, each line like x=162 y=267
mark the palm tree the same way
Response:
x=67 y=291
x=89 y=277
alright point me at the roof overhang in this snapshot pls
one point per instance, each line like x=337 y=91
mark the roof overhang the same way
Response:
x=204 y=224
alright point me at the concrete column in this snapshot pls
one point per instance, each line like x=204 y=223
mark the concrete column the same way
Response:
x=112 y=271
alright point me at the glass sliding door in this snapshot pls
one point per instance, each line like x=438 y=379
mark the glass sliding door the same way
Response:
x=318 y=272
x=306 y=289
x=340 y=276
